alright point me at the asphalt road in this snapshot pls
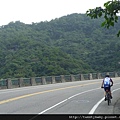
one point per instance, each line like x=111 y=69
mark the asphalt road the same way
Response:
x=80 y=97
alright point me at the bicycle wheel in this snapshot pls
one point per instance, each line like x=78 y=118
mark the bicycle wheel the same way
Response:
x=108 y=97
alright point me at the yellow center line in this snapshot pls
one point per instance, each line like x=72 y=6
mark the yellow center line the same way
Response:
x=37 y=93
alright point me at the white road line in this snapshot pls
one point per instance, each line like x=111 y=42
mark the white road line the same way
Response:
x=98 y=103
x=95 y=106
x=66 y=100
x=82 y=93
x=53 y=106
x=92 y=110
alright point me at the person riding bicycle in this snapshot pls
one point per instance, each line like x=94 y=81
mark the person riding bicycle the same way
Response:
x=106 y=84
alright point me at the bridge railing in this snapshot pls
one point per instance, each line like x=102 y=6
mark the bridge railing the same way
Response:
x=22 y=82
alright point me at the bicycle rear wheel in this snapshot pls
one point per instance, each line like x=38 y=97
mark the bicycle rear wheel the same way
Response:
x=109 y=100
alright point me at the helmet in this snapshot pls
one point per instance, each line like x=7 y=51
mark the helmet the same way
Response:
x=107 y=76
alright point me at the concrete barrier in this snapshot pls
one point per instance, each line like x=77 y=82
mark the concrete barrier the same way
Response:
x=9 y=84
x=90 y=76
x=43 y=81
x=22 y=82
x=53 y=80
x=33 y=82
x=62 y=78
x=72 y=78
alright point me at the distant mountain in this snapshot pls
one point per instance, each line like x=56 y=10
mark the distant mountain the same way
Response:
x=72 y=44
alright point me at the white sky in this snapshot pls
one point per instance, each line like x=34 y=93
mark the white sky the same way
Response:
x=28 y=11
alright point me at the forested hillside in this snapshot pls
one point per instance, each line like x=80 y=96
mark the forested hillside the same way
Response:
x=72 y=44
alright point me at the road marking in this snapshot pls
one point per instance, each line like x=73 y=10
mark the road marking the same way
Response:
x=75 y=96
x=66 y=100
x=71 y=98
x=99 y=102
x=47 y=91
x=52 y=106
x=95 y=106
x=62 y=102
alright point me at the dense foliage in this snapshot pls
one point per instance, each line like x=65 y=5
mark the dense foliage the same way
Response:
x=110 y=12
x=72 y=44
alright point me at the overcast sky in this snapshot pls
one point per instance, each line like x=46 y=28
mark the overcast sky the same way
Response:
x=28 y=11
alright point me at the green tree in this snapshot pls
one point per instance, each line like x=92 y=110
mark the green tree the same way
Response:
x=110 y=13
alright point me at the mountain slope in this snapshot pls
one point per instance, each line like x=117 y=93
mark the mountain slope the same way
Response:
x=25 y=52
x=72 y=44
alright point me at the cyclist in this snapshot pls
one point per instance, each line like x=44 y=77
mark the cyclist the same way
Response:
x=106 y=84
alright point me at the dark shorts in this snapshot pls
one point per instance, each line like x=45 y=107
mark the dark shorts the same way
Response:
x=107 y=88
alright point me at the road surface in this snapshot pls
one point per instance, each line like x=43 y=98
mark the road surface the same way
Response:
x=80 y=97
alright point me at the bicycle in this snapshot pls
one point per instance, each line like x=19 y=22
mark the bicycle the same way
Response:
x=108 y=96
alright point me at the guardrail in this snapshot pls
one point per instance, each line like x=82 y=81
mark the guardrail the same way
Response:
x=22 y=82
